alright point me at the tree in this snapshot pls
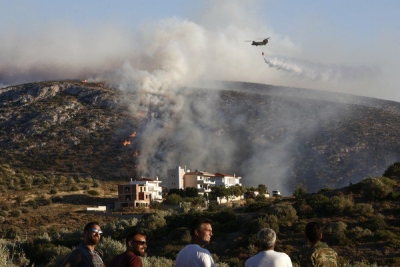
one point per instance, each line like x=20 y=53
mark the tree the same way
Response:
x=377 y=188
x=299 y=192
x=262 y=189
x=191 y=192
x=393 y=171
x=219 y=191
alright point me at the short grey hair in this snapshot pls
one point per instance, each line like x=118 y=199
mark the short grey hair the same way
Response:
x=267 y=238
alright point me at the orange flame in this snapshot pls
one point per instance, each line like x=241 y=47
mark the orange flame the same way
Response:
x=135 y=154
x=133 y=134
x=126 y=142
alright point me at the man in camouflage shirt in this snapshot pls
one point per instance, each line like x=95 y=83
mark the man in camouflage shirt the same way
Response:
x=318 y=254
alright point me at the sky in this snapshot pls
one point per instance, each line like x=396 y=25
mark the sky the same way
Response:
x=151 y=49
x=341 y=46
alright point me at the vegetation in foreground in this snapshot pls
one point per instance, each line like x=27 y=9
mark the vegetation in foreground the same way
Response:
x=361 y=222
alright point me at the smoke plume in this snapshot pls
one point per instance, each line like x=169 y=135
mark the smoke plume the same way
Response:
x=307 y=70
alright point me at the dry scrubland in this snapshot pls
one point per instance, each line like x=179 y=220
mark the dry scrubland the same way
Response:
x=42 y=221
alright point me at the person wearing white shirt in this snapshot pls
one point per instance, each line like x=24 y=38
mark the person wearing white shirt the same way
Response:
x=268 y=256
x=194 y=255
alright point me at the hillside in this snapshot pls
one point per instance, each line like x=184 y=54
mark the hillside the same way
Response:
x=281 y=137
x=361 y=222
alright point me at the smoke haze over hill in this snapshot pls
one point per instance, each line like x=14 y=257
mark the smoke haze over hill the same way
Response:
x=156 y=64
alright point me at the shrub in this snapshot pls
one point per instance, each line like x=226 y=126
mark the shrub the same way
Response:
x=15 y=213
x=285 y=213
x=110 y=248
x=376 y=188
x=376 y=223
x=299 y=192
x=173 y=199
x=393 y=170
x=157 y=261
x=364 y=209
x=53 y=191
x=93 y=192
x=318 y=203
x=74 y=188
x=338 y=205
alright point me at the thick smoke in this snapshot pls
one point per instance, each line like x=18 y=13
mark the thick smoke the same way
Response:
x=307 y=70
x=156 y=66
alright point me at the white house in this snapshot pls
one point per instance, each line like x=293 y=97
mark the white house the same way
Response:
x=227 y=180
x=152 y=186
x=181 y=178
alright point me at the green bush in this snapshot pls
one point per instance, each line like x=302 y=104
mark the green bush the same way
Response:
x=157 y=261
x=285 y=212
x=376 y=188
x=93 y=192
x=110 y=248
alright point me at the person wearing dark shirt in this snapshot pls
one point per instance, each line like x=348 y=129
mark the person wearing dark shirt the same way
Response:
x=135 y=248
x=86 y=254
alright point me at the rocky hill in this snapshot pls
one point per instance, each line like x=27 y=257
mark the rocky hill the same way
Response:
x=281 y=137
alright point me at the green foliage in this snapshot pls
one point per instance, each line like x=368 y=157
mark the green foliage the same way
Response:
x=359 y=233
x=93 y=193
x=256 y=205
x=111 y=248
x=299 y=192
x=262 y=189
x=393 y=171
x=376 y=188
x=285 y=212
x=318 y=203
x=53 y=191
x=364 y=209
x=157 y=261
x=339 y=205
x=173 y=199
x=219 y=191
x=11 y=255
x=376 y=222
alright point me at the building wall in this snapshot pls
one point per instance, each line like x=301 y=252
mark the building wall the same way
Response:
x=174 y=178
x=132 y=195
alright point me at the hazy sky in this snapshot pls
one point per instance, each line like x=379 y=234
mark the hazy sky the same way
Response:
x=344 y=46
x=152 y=48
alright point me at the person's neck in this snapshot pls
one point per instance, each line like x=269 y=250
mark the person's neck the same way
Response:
x=91 y=247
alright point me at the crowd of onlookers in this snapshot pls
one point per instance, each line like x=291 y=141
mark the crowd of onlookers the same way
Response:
x=317 y=254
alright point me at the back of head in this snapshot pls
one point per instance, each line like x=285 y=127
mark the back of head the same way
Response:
x=267 y=238
x=313 y=232
x=197 y=223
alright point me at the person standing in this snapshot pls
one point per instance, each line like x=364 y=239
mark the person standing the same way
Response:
x=193 y=254
x=135 y=248
x=318 y=253
x=86 y=254
x=268 y=256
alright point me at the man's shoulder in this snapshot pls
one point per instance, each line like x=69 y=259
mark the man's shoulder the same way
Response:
x=321 y=252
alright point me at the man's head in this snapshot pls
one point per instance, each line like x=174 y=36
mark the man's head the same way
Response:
x=267 y=238
x=92 y=234
x=201 y=231
x=136 y=242
x=313 y=232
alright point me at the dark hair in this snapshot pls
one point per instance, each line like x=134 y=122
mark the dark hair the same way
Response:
x=196 y=224
x=313 y=231
x=89 y=226
x=132 y=234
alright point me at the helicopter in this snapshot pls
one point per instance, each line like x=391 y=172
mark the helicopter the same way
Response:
x=257 y=43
